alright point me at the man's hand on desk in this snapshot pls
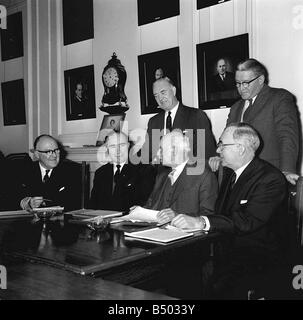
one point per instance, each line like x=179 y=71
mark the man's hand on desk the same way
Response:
x=29 y=203
x=166 y=215
x=184 y=221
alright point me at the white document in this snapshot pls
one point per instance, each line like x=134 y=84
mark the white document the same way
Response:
x=159 y=234
x=142 y=214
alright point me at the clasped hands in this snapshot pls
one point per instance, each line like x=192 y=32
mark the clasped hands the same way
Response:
x=29 y=203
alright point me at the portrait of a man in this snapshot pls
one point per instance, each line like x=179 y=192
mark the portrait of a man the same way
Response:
x=80 y=93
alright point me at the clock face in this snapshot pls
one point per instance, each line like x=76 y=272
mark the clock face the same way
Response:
x=110 y=77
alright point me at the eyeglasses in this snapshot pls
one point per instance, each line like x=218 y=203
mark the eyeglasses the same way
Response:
x=245 y=84
x=221 y=145
x=48 y=153
x=115 y=146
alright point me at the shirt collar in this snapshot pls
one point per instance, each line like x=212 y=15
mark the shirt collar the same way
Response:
x=239 y=171
x=121 y=166
x=178 y=169
x=43 y=170
x=173 y=112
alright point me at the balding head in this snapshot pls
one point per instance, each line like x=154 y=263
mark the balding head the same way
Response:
x=238 y=145
x=47 y=151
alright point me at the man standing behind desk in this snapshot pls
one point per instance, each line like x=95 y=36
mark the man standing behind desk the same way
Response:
x=176 y=116
x=251 y=208
x=118 y=185
x=181 y=186
x=49 y=178
x=272 y=112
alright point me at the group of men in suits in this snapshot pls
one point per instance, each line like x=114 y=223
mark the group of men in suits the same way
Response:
x=250 y=204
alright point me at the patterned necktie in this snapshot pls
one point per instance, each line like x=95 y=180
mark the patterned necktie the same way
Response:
x=46 y=176
x=246 y=112
x=169 y=122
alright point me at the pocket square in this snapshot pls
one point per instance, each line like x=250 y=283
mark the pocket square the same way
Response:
x=243 y=201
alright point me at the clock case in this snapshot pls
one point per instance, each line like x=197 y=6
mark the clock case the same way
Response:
x=114 y=100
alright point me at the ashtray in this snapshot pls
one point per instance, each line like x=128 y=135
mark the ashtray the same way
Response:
x=45 y=213
x=98 y=225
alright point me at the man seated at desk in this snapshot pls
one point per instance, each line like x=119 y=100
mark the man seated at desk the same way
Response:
x=251 y=209
x=49 y=180
x=182 y=186
x=119 y=184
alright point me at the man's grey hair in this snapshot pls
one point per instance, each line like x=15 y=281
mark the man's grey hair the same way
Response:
x=255 y=66
x=246 y=133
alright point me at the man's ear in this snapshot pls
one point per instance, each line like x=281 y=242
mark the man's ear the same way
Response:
x=174 y=90
x=241 y=149
x=261 y=79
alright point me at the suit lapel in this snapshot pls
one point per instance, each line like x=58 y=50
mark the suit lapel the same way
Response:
x=244 y=177
x=258 y=105
x=180 y=118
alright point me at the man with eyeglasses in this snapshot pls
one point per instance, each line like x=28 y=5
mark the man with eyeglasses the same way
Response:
x=272 y=112
x=49 y=181
x=251 y=211
x=119 y=184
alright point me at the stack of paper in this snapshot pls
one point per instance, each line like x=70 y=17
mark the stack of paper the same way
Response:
x=142 y=214
x=159 y=234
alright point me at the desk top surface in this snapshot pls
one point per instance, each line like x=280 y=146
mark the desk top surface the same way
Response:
x=74 y=247
x=30 y=281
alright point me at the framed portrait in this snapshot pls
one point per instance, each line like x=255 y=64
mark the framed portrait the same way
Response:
x=78 y=20
x=207 y=3
x=216 y=66
x=155 y=65
x=12 y=38
x=13 y=102
x=110 y=122
x=80 y=93
x=155 y=10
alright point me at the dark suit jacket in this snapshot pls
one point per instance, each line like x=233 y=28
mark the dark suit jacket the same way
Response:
x=256 y=213
x=135 y=185
x=186 y=118
x=274 y=116
x=194 y=195
x=220 y=85
x=65 y=177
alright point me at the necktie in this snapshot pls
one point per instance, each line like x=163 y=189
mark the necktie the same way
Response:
x=46 y=176
x=246 y=112
x=229 y=188
x=116 y=177
x=169 y=122
x=171 y=176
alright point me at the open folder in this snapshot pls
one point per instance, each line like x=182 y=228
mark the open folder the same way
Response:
x=160 y=234
x=90 y=215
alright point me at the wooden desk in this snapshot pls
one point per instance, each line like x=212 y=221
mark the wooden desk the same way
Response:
x=29 y=281
x=107 y=254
